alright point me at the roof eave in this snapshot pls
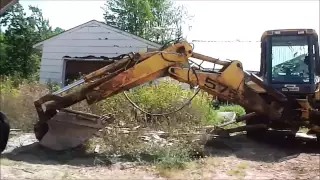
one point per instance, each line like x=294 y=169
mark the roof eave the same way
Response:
x=148 y=42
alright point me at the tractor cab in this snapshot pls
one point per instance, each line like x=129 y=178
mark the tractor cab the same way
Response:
x=290 y=60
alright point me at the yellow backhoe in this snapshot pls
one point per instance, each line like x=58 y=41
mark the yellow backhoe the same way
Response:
x=285 y=95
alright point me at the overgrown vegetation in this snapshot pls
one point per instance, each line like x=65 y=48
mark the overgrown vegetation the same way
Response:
x=158 y=21
x=179 y=146
x=17 y=98
x=17 y=56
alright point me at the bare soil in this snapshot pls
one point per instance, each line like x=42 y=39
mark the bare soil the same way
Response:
x=274 y=157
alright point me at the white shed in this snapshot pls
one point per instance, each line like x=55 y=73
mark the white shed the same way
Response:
x=94 y=40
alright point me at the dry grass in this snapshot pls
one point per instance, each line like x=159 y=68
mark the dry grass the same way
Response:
x=197 y=169
x=8 y=162
x=17 y=103
x=239 y=170
x=174 y=161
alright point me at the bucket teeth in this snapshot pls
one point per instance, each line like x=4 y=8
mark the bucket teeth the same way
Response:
x=68 y=129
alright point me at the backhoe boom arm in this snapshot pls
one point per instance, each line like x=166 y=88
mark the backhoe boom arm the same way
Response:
x=229 y=83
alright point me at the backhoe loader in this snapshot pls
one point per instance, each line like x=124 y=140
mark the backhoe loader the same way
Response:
x=284 y=96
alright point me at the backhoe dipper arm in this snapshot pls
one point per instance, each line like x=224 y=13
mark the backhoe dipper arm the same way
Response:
x=119 y=76
x=130 y=72
x=59 y=128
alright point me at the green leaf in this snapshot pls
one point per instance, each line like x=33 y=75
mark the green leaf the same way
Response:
x=156 y=20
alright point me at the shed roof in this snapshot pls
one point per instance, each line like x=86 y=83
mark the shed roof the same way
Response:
x=102 y=24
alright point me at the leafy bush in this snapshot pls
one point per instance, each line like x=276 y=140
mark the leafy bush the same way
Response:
x=172 y=158
x=52 y=86
x=17 y=97
x=162 y=97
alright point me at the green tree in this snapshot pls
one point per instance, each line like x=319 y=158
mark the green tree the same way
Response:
x=57 y=30
x=156 y=20
x=17 y=55
x=3 y=55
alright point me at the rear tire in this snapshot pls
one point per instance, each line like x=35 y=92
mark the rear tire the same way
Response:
x=4 y=132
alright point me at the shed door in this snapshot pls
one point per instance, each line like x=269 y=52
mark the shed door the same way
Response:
x=75 y=68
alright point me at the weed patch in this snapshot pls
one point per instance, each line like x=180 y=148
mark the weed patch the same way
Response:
x=17 y=102
x=239 y=170
x=132 y=144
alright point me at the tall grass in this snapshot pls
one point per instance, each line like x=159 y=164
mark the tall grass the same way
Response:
x=17 y=97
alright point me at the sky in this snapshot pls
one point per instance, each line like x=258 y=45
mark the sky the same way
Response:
x=213 y=21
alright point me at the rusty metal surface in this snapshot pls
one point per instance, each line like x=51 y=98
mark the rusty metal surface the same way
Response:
x=226 y=132
x=271 y=91
x=125 y=72
x=209 y=59
x=152 y=68
x=68 y=130
x=241 y=118
x=53 y=102
x=228 y=87
x=78 y=68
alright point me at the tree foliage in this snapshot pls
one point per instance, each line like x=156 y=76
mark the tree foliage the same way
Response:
x=17 y=56
x=156 y=20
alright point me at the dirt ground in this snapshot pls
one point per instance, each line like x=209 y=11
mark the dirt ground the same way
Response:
x=228 y=158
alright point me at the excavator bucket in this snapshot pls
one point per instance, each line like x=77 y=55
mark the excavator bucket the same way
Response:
x=59 y=128
x=68 y=129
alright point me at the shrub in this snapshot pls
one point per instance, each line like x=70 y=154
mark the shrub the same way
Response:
x=162 y=97
x=17 y=101
x=172 y=158
x=17 y=97
x=52 y=86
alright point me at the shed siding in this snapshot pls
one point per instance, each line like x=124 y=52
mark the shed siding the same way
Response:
x=93 y=39
x=97 y=42
x=90 y=50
